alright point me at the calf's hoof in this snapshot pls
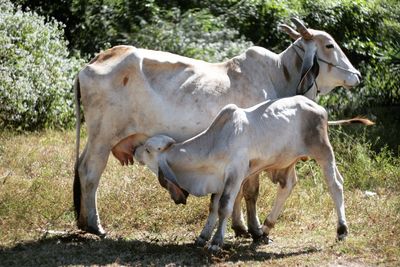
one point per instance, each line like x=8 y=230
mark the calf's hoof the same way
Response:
x=200 y=242
x=342 y=232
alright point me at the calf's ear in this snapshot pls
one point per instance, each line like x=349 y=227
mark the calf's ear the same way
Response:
x=168 y=180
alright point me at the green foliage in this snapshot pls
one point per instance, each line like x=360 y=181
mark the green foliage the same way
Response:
x=362 y=167
x=105 y=23
x=35 y=74
x=196 y=34
x=258 y=21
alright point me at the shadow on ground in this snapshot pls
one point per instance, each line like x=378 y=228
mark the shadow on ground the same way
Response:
x=81 y=249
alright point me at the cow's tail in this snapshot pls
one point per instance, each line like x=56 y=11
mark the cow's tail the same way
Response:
x=77 y=181
x=356 y=120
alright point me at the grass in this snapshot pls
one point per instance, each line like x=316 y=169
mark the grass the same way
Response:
x=37 y=225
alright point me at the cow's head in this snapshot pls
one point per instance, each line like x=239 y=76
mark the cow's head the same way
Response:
x=154 y=155
x=318 y=47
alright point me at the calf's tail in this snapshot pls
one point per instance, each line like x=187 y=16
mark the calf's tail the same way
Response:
x=356 y=120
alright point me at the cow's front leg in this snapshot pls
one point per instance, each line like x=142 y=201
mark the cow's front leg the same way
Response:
x=211 y=221
x=89 y=170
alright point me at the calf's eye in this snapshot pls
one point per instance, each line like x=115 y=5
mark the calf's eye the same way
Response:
x=147 y=150
x=329 y=46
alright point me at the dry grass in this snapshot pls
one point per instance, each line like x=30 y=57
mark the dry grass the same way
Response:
x=144 y=227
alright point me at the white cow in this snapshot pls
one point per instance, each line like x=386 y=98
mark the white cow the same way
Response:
x=238 y=144
x=129 y=94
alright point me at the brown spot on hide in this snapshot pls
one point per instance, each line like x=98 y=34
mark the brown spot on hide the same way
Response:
x=286 y=73
x=305 y=158
x=125 y=81
x=124 y=150
x=110 y=53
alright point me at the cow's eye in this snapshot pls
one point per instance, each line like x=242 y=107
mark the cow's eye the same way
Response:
x=329 y=46
x=147 y=150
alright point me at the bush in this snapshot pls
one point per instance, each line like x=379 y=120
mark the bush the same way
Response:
x=362 y=167
x=196 y=34
x=36 y=72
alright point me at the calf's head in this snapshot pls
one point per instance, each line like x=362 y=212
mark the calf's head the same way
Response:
x=154 y=154
x=318 y=47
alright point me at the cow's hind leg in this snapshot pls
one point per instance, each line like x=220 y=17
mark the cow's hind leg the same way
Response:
x=287 y=180
x=89 y=170
x=250 y=190
x=238 y=225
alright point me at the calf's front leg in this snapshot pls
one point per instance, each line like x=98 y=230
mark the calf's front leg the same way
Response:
x=225 y=208
x=211 y=221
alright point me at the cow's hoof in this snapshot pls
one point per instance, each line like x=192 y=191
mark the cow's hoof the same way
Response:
x=342 y=232
x=200 y=242
x=261 y=239
x=240 y=231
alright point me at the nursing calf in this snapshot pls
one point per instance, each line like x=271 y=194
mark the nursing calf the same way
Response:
x=240 y=143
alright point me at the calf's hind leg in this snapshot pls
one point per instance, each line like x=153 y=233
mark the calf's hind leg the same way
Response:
x=334 y=181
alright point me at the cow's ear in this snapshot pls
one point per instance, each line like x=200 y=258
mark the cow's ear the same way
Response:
x=309 y=70
x=168 y=180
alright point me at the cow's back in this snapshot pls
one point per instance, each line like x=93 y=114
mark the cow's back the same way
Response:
x=126 y=90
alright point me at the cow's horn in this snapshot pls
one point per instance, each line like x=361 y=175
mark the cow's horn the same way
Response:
x=290 y=31
x=305 y=33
